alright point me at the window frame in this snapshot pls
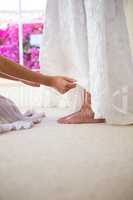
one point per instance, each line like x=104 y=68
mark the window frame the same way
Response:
x=19 y=12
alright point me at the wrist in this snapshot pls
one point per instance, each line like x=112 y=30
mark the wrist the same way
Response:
x=51 y=81
x=48 y=81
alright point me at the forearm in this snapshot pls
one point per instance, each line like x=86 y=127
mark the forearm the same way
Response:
x=5 y=76
x=19 y=72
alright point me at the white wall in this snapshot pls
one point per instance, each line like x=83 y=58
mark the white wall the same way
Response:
x=129 y=13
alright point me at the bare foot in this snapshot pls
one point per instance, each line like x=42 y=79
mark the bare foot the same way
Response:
x=80 y=117
x=85 y=115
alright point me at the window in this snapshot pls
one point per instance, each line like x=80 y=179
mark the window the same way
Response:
x=21 y=26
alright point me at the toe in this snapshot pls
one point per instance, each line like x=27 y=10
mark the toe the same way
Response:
x=61 y=121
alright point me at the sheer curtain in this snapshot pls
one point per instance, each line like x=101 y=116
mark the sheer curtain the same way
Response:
x=29 y=97
x=24 y=96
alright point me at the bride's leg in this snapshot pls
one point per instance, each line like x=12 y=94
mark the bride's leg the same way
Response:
x=86 y=106
x=84 y=115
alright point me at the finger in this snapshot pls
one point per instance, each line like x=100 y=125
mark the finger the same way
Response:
x=70 y=85
x=66 y=90
x=70 y=79
x=67 y=87
x=62 y=91
x=70 y=88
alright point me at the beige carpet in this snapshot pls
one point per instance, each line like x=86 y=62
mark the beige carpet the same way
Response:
x=67 y=162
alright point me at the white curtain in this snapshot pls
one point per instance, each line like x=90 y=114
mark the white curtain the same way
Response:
x=29 y=97
x=23 y=96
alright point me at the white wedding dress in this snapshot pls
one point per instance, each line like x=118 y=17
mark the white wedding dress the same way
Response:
x=88 y=40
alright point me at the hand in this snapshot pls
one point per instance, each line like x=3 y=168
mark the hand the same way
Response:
x=63 y=84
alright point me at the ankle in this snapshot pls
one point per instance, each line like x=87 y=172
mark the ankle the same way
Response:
x=86 y=107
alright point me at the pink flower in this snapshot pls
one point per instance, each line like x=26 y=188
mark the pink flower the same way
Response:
x=9 y=44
